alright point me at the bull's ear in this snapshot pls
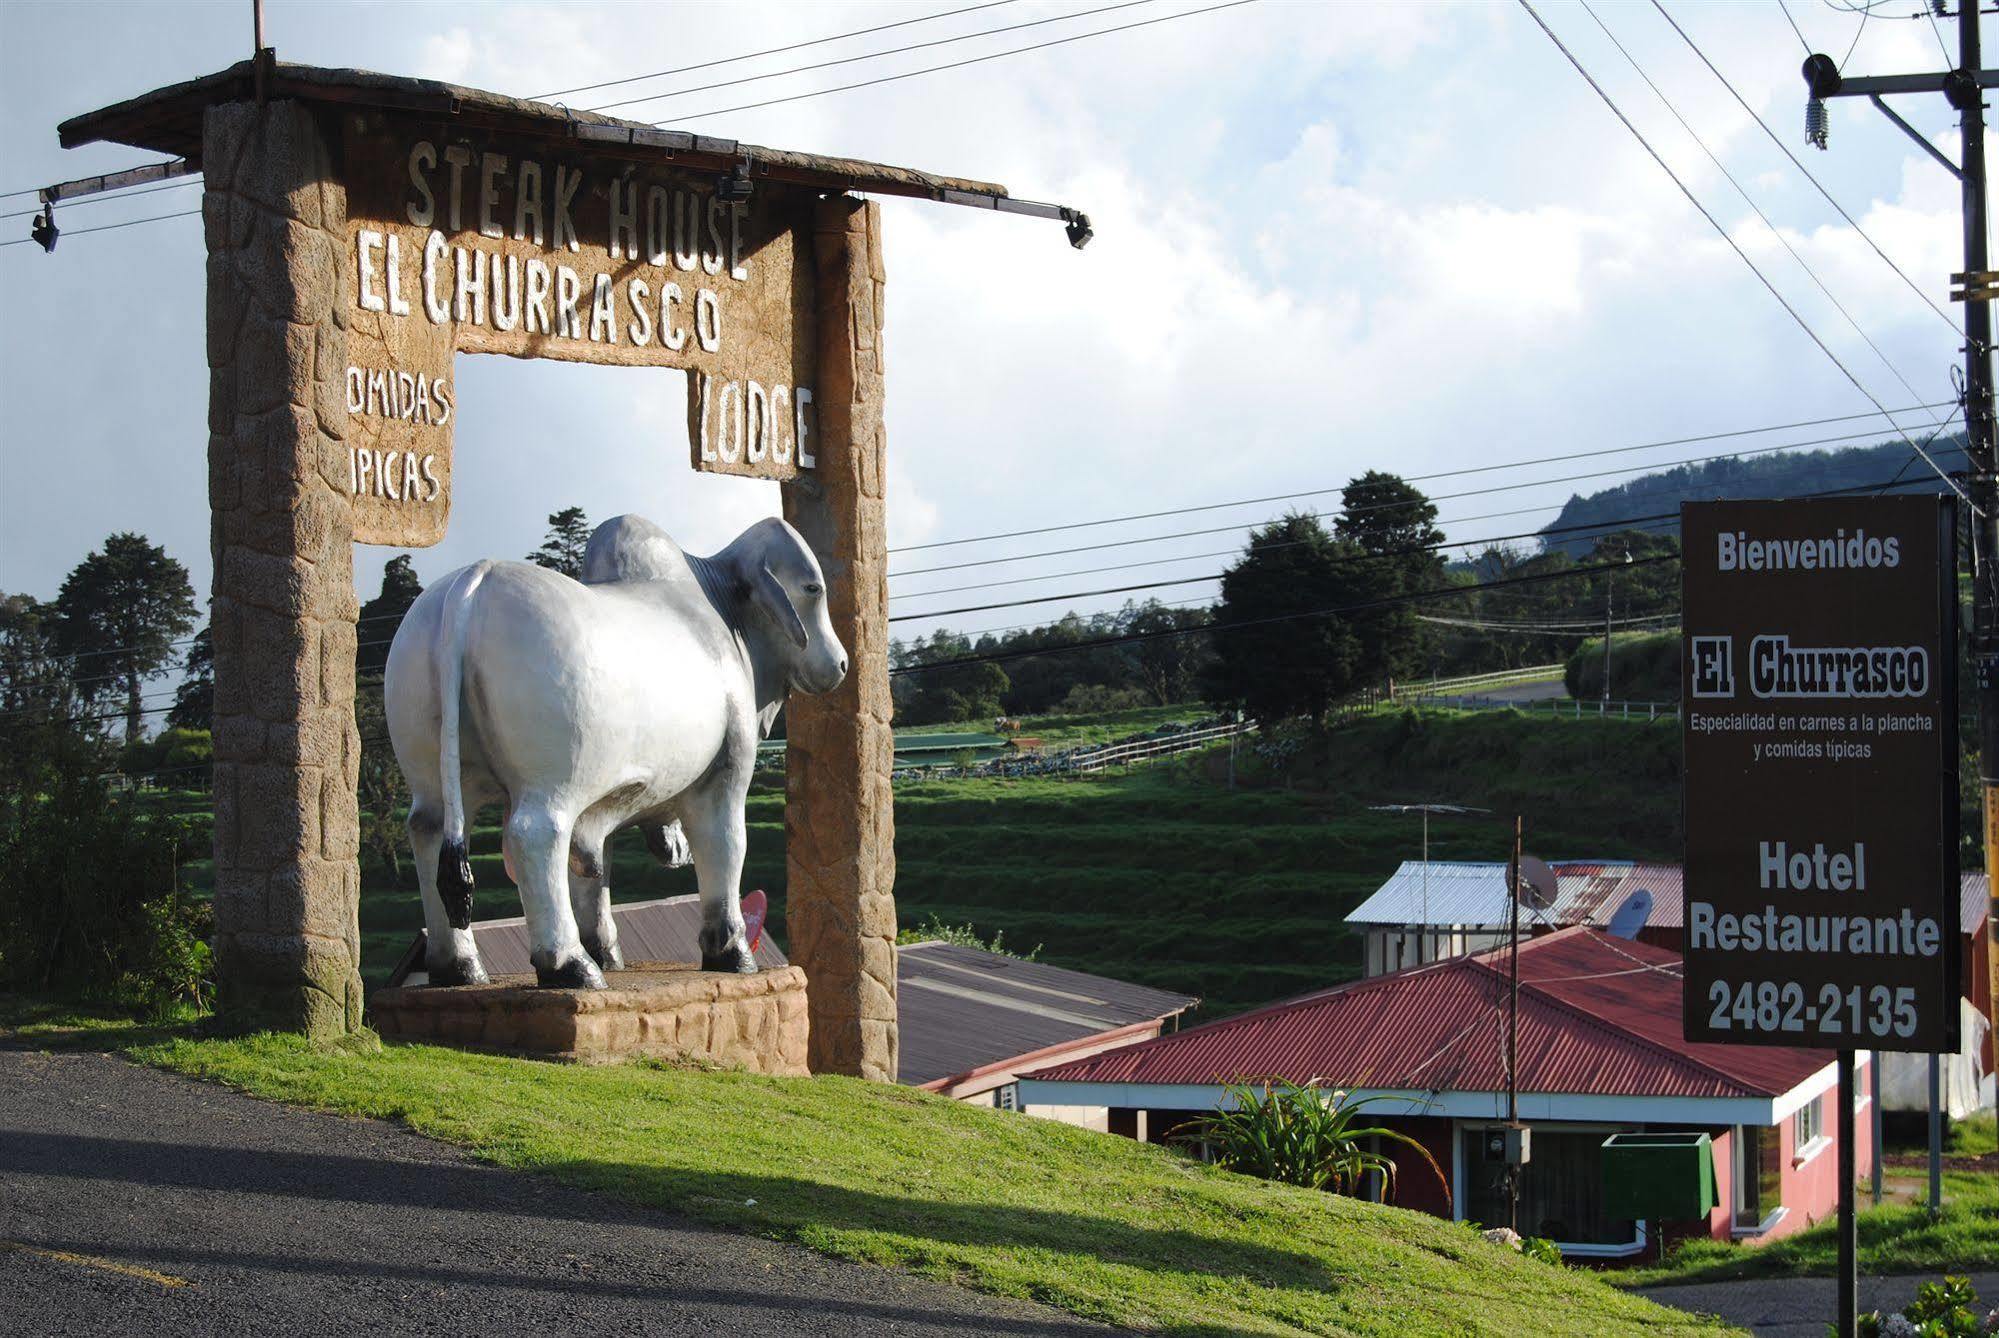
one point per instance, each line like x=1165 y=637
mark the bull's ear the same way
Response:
x=769 y=593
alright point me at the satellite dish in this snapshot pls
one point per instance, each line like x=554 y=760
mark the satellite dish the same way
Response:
x=1631 y=916
x=1536 y=889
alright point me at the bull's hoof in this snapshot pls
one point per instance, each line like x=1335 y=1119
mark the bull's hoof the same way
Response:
x=458 y=971
x=735 y=961
x=578 y=973
x=612 y=960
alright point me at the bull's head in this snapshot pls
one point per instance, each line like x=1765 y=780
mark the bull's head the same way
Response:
x=783 y=585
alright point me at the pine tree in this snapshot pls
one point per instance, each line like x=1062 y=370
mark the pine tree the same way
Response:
x=117 y=616
x=568 y=535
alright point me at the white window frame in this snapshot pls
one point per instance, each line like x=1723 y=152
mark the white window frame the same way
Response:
x=1808 y=1135
x=1735 y=1177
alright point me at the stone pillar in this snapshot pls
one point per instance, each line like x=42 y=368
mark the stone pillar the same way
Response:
x=839 y=822
x=287 y=757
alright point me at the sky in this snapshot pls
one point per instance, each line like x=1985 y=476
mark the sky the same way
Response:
x=1329 y=238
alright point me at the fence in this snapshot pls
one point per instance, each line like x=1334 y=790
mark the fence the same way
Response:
x=1469 y=683
x=1563 y=708
x=1146 y=750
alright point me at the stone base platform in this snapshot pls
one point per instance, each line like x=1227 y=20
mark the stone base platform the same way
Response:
x=652 y=1010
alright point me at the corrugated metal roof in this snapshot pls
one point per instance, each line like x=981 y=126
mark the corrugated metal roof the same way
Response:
x=1474 y=894
x=1441 y=893
x=1598 y=1016
x=1975 y=903
x=962 y=1009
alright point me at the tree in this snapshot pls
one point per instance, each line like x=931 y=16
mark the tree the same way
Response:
x=1396 y=526
x=1270 y=660
x=961 y=692
x=39 y=705
x=117 y=616
x=382 y=615
x=562 y=550
x=384 y=796
x=1170 y=661
x=194 y=700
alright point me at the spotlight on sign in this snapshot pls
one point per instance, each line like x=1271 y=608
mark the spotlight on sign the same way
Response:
x=44 y=231
x=736 y=186
x=1080 y=230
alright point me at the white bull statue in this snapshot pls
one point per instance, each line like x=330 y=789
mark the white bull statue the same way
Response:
x=634 y=698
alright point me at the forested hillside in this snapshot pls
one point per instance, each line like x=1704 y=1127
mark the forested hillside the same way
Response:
x=1790 y=474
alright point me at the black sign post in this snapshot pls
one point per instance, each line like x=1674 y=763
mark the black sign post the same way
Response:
x=1819 y=709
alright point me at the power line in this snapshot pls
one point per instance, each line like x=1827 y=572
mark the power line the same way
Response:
x=126 y=194
x=1474 y=587
x=110 y=227
x=768 y=51
x=1757 y=209
x=1364 y=606
x=1785 y=149
x=875 y=55
x=1651 y=520
x=1732 y=243
x=1475 y=469
x=954 y=65
x=1655 y=520
x=1794 y=27
x=1320 y=515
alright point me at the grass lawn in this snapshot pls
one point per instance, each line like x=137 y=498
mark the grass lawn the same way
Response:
x=1894 y=1238
x=1099 y=1226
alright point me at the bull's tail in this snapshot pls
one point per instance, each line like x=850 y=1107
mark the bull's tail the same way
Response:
x=454 y=863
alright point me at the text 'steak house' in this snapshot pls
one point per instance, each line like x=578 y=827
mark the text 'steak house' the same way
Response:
x=1600 y=1053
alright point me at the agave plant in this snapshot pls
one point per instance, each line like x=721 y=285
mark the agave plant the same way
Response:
x=1301 y=1133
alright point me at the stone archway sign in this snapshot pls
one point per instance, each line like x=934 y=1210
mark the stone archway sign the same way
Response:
x=363 y=230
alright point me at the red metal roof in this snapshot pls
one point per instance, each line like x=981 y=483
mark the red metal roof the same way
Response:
x=1598 y=1016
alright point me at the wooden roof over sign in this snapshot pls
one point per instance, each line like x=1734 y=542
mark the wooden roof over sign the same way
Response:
x=169 y=120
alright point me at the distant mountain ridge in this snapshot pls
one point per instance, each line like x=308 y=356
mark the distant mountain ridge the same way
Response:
x=1791 y=474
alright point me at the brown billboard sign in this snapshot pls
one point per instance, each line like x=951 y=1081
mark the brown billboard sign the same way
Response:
x=464 y=241
x=1819 y=709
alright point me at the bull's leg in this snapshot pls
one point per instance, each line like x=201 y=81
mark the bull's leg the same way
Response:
x=590 y=901
x=451 y=956
x=718 y=838
x=537 y=838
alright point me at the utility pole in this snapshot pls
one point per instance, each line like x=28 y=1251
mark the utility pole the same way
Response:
x=1609 y=582
x=1963 y=88
x=1513 y=1031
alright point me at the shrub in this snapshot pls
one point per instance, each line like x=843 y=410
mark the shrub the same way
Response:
x=965 y=936
x=1301 y=1134
x=1643 y=667
x=92 y=902
x=1540 y=1247
x=1947 y=1309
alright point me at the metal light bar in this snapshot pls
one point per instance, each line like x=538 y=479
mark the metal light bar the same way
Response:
x=137 y=176
x=1080 y=230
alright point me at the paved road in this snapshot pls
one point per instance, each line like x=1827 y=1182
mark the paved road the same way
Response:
x=1517 y=693
x=133 y=1201
x=1798 y=1307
